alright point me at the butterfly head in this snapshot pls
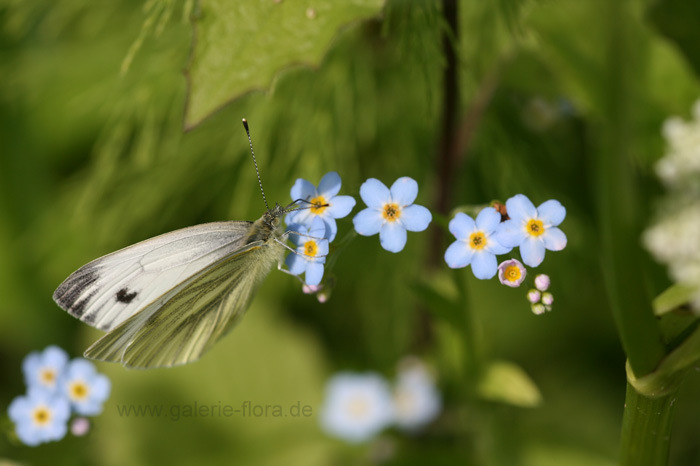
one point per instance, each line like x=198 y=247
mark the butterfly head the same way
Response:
x=273 y=217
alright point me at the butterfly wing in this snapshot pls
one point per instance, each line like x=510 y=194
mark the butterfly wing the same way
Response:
x=110 y=290
x=187 y=320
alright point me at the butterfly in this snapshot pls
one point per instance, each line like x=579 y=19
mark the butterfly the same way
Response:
x=167 y=300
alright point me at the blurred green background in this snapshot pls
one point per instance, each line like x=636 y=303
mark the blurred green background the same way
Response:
x=93 y=159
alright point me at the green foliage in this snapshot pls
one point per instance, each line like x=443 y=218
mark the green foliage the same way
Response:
x=241 y=47
x=507 y=383
x=673 y=297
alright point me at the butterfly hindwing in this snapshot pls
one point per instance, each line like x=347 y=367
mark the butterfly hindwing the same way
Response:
x=109 y=290
x=187 y=320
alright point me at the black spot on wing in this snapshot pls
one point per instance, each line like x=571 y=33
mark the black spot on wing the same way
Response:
x=123 y=296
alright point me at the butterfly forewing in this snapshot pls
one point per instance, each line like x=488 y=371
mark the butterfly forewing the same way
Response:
x=185 y=322
x=167 y=300
x=111 y=289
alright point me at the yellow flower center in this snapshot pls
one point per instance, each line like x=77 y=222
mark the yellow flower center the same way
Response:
x=534 y=227
x=358 y=408
x=41 y=415
x=310 y=248
x=79 y=391
x=512 y=273
x=391 y=212
x=47 y=377
x=477 y=240
x=318 y=205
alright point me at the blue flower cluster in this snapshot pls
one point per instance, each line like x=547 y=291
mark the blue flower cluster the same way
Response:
x=312 y=226
x=532 y=229
x=391 y=213
x=56 y=387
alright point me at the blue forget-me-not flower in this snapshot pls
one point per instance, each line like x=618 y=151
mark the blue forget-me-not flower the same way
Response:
x=85 y=388
x=476 y=243
x=40 y=416
x=533 y=229
x=311 y=251
x=324 y=203
x=43 y=369
x=391 y=212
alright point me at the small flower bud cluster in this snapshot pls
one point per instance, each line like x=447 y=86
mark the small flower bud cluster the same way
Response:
x=540 y=299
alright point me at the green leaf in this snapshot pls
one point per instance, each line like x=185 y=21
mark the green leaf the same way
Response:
x=666 y=378
x=678 y=20
x=241 y=46
x=673 y=297
x=507 y=382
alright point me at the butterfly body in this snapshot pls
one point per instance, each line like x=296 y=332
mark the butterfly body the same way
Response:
x=165 y=301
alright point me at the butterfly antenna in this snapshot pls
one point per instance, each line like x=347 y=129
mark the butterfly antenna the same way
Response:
x=252 y=152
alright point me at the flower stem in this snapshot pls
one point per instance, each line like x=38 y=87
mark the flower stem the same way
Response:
x=646 y=428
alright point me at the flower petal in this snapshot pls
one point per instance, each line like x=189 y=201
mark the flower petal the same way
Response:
x=314 y=273
x=19 y=409
x=488 y=220
x=458 y=255
x=374 y=193
x=368 y=222
x=551 y=212
x=532 y=251
x=318 y=229
x=404 y=191
x=329 y=185
x=290 y=218
x=101 y=386
x=331 y=228
x=484 y=265
x=392 y=236
x=302 y=189
x=295 y=263
x=296 y=233
x=340 y=206
x=415 y=217
x=519 y=207
x=462 y=225
x=554 y=239
x=510 y=233
x=494 y=246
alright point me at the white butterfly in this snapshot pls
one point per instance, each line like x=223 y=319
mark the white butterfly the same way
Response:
x=167 y=300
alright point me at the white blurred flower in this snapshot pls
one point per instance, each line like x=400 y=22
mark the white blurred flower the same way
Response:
x=674 y=239
x=356 y=406
x=417 y=401
x=680 y=166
